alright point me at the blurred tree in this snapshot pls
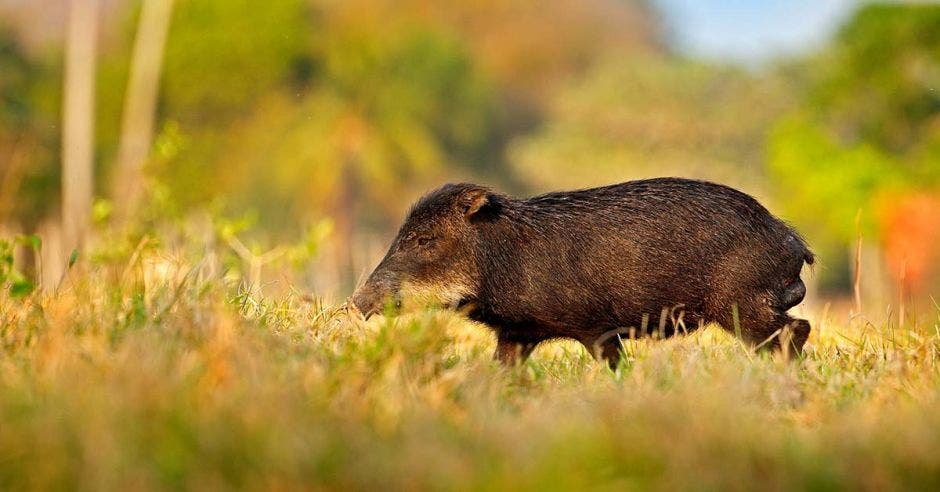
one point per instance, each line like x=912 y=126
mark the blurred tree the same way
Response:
x=654 y=116
x=529 y=49
x=224 y=58
x=78 y=122
x=311 y=108
x=300 y=110
x=29 y=135
x=221 y=57
x=393 y=106
x=140 y=104
x=878 y=82
x=14 y=121
x=525 y=47
x=866 y=132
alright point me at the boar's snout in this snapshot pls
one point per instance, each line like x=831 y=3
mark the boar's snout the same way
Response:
x=370 y=298
x=365 y=301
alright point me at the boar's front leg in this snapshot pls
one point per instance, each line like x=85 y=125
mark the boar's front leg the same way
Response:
x=607 y=349
x=512 y=352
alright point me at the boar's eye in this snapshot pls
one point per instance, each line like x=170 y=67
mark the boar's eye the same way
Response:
x=412 y=240
x=424 y=240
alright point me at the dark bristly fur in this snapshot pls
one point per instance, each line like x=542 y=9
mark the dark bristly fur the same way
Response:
x=644 y=257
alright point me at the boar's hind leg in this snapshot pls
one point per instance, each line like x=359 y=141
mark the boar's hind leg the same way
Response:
x=607 y=349
x=512 y=352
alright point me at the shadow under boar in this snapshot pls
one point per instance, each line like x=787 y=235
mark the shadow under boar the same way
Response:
x=639 y=258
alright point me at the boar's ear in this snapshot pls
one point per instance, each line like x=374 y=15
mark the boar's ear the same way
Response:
x=472 y=201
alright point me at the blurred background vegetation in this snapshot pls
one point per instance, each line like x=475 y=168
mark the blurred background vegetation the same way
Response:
x=304 y=128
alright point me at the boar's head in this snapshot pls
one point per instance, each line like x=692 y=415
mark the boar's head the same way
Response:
x=434 y=256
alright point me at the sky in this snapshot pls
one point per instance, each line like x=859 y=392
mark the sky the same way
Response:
x=752 y=31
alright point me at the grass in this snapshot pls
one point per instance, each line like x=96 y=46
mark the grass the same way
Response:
x=135 y=375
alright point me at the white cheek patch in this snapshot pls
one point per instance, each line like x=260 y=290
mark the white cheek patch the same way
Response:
x=443 y=294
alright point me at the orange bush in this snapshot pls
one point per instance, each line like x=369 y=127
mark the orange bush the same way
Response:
x=910 y=227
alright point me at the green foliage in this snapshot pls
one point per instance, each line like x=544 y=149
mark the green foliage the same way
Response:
x=289 y=105
x=827 y=184
x=14 y=86
x=11 y=279
x=390 y=109
x=221 y=58
x=223 y=55
x=310 y=244
x=654 y=117
x=409 y=76
x=29 y=130
x=280 y=108
x=878 y=82
x=866 y=129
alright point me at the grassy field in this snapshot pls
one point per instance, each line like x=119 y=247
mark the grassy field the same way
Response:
x=136 y=375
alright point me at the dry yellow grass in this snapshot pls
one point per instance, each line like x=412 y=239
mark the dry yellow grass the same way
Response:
x=168 y=375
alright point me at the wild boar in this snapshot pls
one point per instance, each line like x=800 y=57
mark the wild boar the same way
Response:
x=645 y=257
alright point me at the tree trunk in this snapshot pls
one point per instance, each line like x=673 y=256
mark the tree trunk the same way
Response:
x=78 y=122
x=140 y=103
x=344 y=216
